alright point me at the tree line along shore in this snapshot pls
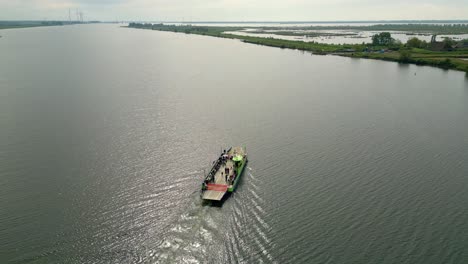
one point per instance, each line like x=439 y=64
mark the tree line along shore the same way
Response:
x=446 y=54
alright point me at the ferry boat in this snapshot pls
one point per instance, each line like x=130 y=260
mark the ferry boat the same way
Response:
x=225 y=174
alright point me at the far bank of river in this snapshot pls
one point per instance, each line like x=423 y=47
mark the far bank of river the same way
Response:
x=454 y=60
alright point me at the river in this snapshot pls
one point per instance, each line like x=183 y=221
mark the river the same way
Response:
x=105 y=133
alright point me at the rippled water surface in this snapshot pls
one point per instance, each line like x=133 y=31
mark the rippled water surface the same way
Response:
x=105 y=133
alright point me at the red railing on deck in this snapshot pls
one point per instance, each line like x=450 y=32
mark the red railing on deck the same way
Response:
x=216 y=187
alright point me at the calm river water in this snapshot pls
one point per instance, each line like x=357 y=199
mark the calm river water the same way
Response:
x=105 y=133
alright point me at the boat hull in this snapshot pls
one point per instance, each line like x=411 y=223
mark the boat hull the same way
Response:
x=240 y=171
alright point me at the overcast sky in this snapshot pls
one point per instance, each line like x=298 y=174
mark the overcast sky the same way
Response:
x=236 y=10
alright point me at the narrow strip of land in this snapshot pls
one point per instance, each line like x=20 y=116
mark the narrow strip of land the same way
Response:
x=26 y=24
x=30 y=23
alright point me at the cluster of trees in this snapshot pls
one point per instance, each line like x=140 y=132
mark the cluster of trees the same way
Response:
x=417 y=43
x=421 y=44
x=448 y=43
x=383 y=39
x=140 y=25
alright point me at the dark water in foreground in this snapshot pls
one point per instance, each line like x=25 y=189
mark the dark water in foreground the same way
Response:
x=105 y=132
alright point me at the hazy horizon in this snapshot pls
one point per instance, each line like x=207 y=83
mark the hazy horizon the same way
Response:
x=257 y=21
x=235 y=11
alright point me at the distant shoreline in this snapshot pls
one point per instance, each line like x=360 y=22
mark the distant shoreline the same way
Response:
x=317 y=22
x=32 y=23
x=27 y=24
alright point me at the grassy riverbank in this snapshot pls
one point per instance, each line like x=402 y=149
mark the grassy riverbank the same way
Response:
x=394 y=52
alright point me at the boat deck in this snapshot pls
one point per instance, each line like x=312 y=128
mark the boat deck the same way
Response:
x=220 y=176
x=213 y=195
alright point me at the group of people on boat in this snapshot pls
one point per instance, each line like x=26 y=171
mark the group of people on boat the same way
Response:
x=222 y=160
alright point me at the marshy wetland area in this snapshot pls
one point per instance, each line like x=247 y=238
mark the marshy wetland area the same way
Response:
x=439 y=45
